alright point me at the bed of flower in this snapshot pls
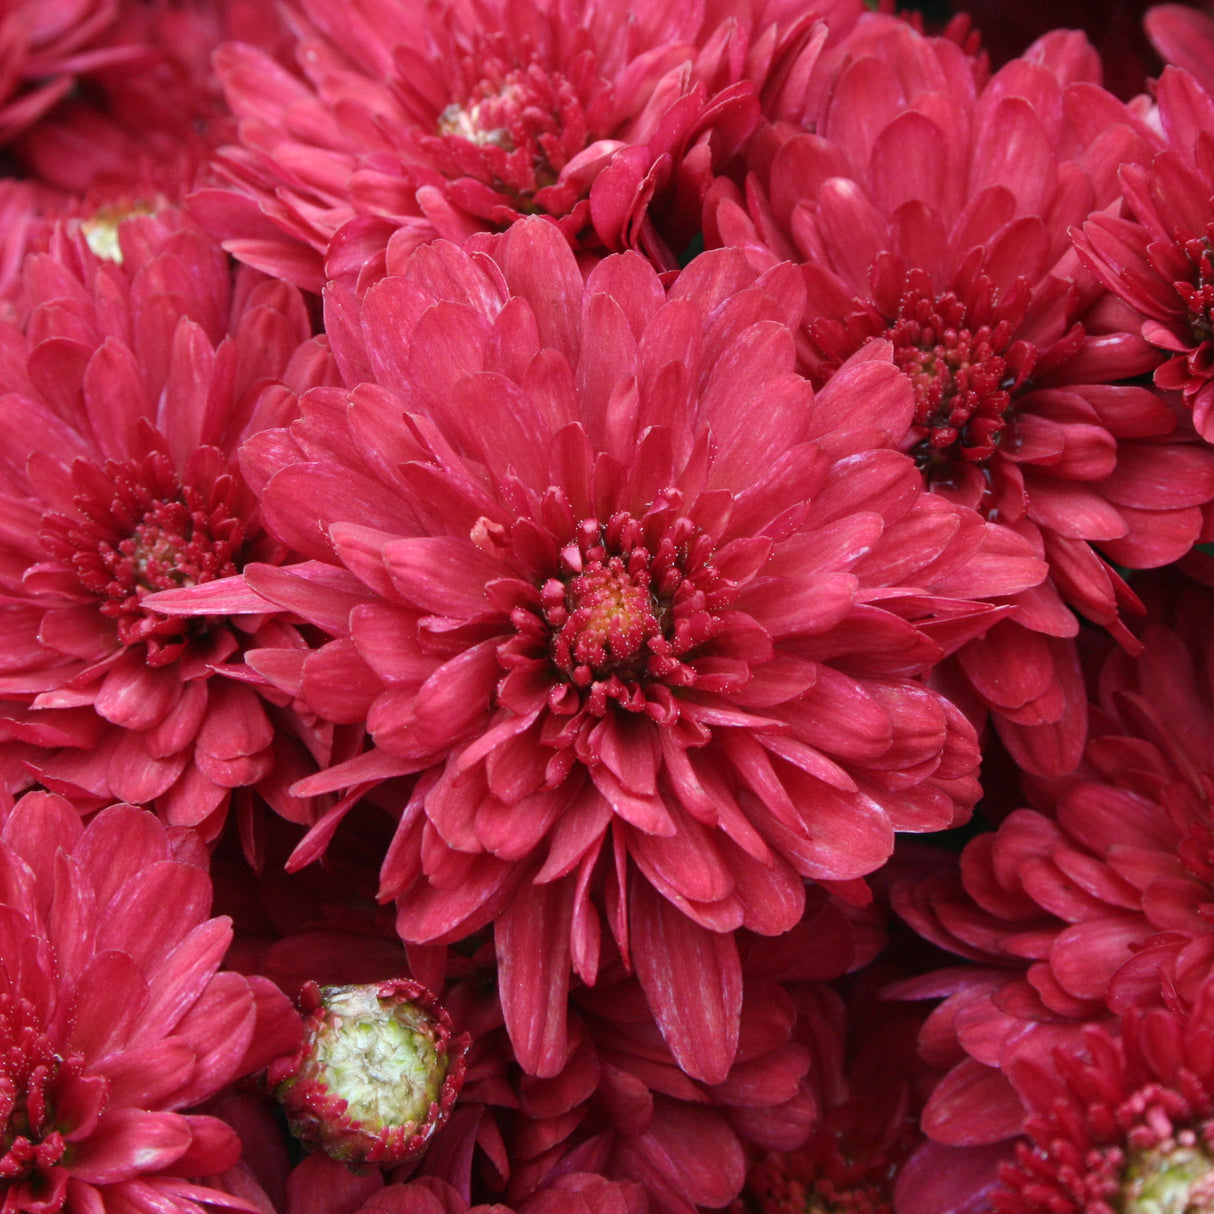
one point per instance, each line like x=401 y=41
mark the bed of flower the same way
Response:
x=512 y=514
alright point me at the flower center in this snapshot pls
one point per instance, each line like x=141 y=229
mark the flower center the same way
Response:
x=516 y=129
x=963 y=375
x=609 y=615
x=1176 y=1176
x=31 y=1146
x=630 y=603
x=101 y=227
x=137 y=530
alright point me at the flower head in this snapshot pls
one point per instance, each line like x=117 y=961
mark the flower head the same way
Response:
x=114 y=1021
x=1129 y=1126
x=131 y=387
x=1095 y=903
x=152 y=114
x=931 y=209
x=1157 y=255
x=441 y=121
x=43 y=48
x=596 y=612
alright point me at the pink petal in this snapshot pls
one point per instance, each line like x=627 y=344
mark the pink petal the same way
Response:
x=673 y=956
x=127 y=1142
x=532 y=941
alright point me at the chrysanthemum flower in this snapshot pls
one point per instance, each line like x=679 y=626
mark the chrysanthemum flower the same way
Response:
x=114 y=1021
x=643 y=618
x=1126 y=1123
x=147 y=124
x=867 y=1082
x=43 y=48
x=1127 y=62
x=1157 y=256
x=129 y=388
x=1074 y=912
x=932 y=212
x=437 y=120
x=572 y=1193
x=624 y=1107
x=619 y=1105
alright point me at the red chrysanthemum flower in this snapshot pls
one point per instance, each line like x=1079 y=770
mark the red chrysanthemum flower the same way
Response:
x=1158 y=257
x=432 y=120
x=643 y=616
x=128 y=390
x=932 y=212
x=145 y=126
x=624 y=1107
x=1127 y=61
x=113 y=1017
x=619 y=1105
x=1123 y=1123
x=44 y=46
x=572 y=1193
x=1075 y=914
x=868 y=1084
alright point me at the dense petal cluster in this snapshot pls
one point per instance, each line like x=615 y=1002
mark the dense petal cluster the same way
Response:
x=319 y=1184
x=153 y=113
x=1094 y=904
x=128 y=388
x=620 y=1105
x=43 y=47
x=114 y=1021
x=1157 y=256
x=440 y=121
x=532 y=503
x=600 y=616
x=1125 y=1123
x=939 y=222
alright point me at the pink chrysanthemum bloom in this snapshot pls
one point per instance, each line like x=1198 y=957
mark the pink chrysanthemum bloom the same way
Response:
x=129 y=388
x=646 y=657
x=114 y=1021
x=148 y=128
x=44 y=46
x=1158 y=256
x=868 y=1085
x=572 y=1193
x=623 y=1106
x=619 y=1104
x=1124 y=1124
x=434 y=120
x=932 y=212
x=1072 y=915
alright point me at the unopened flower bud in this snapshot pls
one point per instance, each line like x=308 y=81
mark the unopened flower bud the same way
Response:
x=377 y=1074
